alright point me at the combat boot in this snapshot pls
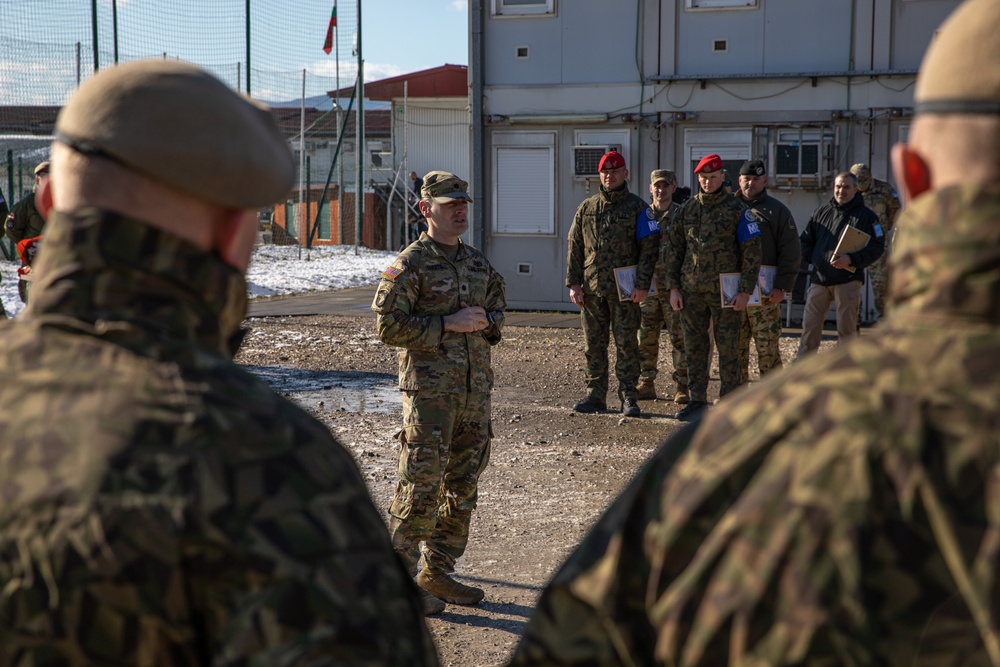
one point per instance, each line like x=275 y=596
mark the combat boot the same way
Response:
x=431 y=604
x=630 y=408
x=681 y=397
x=692 y=411
x=646 y=389
x=591 y=404
x=443 y=587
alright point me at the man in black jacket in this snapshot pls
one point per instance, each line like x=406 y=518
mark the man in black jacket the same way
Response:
x=837 y=277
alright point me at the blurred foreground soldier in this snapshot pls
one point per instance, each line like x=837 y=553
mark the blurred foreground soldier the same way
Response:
x=837 y=278
x=612 y=229
x=656 y=308
x=25 y=221
x=443 y=304
x=163 y=506
x=713 y=233
x=780 y=250
x=881 y=199
x=843 y=511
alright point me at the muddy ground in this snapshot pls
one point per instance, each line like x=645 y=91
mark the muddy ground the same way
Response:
x=551 y=474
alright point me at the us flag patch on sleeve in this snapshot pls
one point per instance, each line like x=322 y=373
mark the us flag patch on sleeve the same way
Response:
x=394 y=270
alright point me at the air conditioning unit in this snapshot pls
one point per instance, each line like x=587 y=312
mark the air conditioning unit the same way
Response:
x=586 y=159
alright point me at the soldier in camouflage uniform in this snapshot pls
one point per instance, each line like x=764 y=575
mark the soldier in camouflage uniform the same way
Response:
x=781 y=251
x=26 y=222
x=843 y=511
x=443 y=304
x=713 y=233
x=610 y=230
x=881 y=198
x=163 y=506
x=656 y=307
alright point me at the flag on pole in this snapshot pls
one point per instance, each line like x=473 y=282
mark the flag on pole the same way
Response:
x=328 y=44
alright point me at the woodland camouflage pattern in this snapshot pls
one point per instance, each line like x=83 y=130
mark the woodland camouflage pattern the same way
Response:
x=656 y=309
x=881 y=198
x=602 y=238
x=840 y=512
x=162 y=506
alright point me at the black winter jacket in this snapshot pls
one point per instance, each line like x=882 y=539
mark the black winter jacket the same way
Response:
x=820 y=236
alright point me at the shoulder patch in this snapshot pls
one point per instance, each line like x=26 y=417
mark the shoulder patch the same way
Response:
x=394 y=270
x=751 y=215
x=650 y=214
x=878 y=230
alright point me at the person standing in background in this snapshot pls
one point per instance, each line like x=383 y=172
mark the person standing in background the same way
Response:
x=881 y=199
x=25 y=222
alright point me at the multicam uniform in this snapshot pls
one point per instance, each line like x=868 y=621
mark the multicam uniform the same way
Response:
x=656 y=310
x=163 y=506
x=841 y=512
x=712 y=234
x=446 y=379
x=611 y=230
x=780 y=248
x=881 y=198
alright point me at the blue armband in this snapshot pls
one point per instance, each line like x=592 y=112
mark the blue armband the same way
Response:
x=646 y=224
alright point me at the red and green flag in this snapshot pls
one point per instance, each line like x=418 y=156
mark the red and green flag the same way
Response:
x=328 y=44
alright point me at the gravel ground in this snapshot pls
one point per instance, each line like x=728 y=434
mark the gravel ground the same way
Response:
x=551 y=474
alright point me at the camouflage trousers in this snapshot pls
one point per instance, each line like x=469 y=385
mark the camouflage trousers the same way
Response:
x=702 y=310
x=600 y=317
x=655 y=311
x=444 y=446
x=878 y=273
x=762 y=324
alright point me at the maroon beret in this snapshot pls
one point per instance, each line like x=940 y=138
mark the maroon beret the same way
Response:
x=611 y=160
x=709 y=163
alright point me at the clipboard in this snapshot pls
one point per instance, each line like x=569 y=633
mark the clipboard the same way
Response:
x=625 y=282
x=851 y=240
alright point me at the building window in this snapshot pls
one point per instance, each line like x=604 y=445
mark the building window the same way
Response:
x=523 y=7
x=732 y=145
x=524 y=184
x=722 y=4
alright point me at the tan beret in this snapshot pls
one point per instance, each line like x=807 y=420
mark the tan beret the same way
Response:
x=175 y=123
x=443 y=187
x=961 y=69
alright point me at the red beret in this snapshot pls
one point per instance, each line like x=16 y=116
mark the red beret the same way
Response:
x=612 y=160
x=711 y=162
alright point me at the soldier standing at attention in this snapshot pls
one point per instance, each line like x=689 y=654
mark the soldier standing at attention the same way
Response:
x=881 y=199
x=443 y=304
x=779 y=248
x=843 y=511
x=612 y=229
x=26 y=222
x=162 y=505
x=656 y=307
x=712 y=234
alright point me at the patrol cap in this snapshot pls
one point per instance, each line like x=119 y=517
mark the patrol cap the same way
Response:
x=177 y=124
x=611 y=160
x=708 y=164
x=42 y=168
x=444 y=187
x=658 y=175
x=959 y=73
x=753 y=168
x=863 y=174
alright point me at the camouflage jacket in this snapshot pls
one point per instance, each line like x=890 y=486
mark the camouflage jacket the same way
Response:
x=841 y=512
x=663 y=220
x=881 y=198
x=779 y=239
x=822 y=232
x=24 y=221
x=163 y=506
x=414 y=295
x=611 y=230
x=712 y=234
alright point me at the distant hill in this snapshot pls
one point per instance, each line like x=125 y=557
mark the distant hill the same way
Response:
x=325 y=103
